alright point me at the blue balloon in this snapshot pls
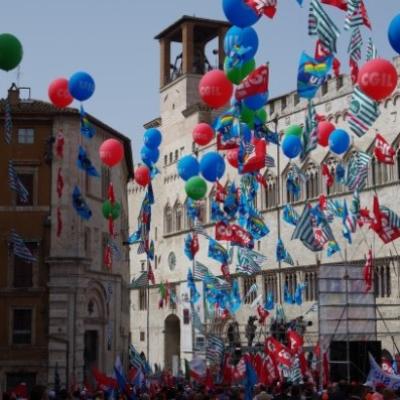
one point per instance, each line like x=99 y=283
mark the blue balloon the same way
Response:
x=339 y=141
x=291 y=146
x=212 y=166
x=188 y=166
x=149 y=156
x=394 y=33
x=242 y=130
x=81 y=86
x=256 y=102
x=239 y=14
x=245 y=38
x=152 y=138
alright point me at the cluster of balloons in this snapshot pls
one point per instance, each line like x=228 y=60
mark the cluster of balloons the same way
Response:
x=292 y=144
x=150 y=155
x=111 y=210
x=211 y=167
x=11 y=52
x=62 y=91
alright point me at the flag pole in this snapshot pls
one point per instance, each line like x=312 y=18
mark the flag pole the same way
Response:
x=148 y=309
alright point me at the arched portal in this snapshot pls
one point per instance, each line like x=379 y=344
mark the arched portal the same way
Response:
x=172 y=343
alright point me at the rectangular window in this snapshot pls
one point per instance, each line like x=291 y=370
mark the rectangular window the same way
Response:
x=105 y=182
x=247 y=284
x=296 y=99
x=324 y=88
x=339 y=82
x=143 y=299
x=23 y=271
x=283 y=103
x=271 y=108
x=310 y=290
x=142 y=336
x=22 y=326
x=166 y=159
x=382 y=280
x=26 y=136
x=27 y=179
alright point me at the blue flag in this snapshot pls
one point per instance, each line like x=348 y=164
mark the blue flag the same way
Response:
x=251 y=380
x=270 y=302
x=85 y=164
x=298 y=296
x=217 y=252
x=194 y=294
x=80 y=204
x=287 y=296
x=87 y=129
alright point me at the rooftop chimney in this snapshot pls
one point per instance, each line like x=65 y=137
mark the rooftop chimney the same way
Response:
x=13 y=95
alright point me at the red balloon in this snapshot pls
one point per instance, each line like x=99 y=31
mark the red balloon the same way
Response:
x=111 y=152
x=378 y=79
x=59 y=93
x=325 y=128
x=232 y=157
x=203 y=134
x=142 y=175
x=215 y=88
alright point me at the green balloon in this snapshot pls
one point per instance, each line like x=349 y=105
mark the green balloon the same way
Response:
x=294 y=130
x=111 y=210
x=10 y=52
x=261 y=115
x=237 y=74
x=196 y=188
x=247 y=116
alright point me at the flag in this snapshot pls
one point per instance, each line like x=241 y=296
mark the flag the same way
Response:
x=220 y=193
x=269 y=303
x=287 y=296
x=341 y=4
x=312 y=74
x=198 y=368
x=20 y=249
x=329 y=180
x=135 y=360
x=215 y=349
x=279 y=353
x=251 y=380
x=363 y=112
x=233 y=233
x=247 y=264
x=304 y=230
x=384 y=153
x=80 y=205
x=60 y=183
x=217 y=252
x=60 y=144
x=355 y=45
x=357 y=171
x=87 y=129
x=255 y=83
x=321 y=25
x=256 y=226
x=347 y=225
x=266 y=7
x=85 y=164
x=194 y=294
x=321 y=52
x=191 y=246
x=372 y=51
x=356 y=15
x=16 y=185
x=310 y=132
x=290 y=216
x=298 y=294
x=252 y=290
x=150 y=274
x=368 y=271
x=386 y=223
x=282 y=254
x=8 y=123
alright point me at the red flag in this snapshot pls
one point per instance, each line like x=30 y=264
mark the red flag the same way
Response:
x=322 y=52
x=60 y=183
x=108 y=257
x=103 y=381
x=110 y=226
x=227 y=373
x=342 y=4
x=266 y=7
x=295 y=342
x=256 y=159
x=111 y=194
x=262 y=313
x=368 y=271
x=60 y=144
x=384 y=153
x=353 y=70
x=383 y=224
x=271 y=368
x=150 y=275
x=278 y=351
x=209 y=381
x=255 y=83
x=225 y=271
x=261 y=180
x=59 y=222
x=364 y=14
x=220 y=193
x=387 y=366
x=20 y=391
x=377 y=220
x=233 y=233
x=194 y=244
x=323 y=202
x=325 y=367
x=328 y=176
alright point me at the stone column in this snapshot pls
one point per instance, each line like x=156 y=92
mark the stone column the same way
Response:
x=165 y=61
x=188 y=47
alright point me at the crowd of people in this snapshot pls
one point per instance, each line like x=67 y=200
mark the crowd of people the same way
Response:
x=185 y=391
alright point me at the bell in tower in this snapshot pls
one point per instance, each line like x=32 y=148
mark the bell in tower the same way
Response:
x=192 y=36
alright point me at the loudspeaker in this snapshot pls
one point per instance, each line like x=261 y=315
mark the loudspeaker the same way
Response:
x=359 y=361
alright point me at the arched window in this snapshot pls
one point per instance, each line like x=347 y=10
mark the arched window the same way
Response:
x=290 y=197
x=312 y=182
x=337 y=187
x=382 y=280
x=168 y=219
x=310 y=290
x=178 y=216
x=270 y=194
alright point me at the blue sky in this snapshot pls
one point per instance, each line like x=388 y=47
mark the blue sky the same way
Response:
x=113 y=41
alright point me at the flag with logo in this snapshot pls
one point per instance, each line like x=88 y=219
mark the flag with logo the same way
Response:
x=266 y=7
x=279 y=353
x=217 y=252
x=282 y=254
x=357 y=170
x=87 y=129
x=326 y=173
x=289 y=215
x=194 y=294
x=363 y=112
x=341 y=4
x=368 y=271
x=310 y=132
x=383 y=151
x=356 y=15
x=255 y=83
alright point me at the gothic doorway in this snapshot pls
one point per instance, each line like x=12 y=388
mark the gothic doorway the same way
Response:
x=172 y=343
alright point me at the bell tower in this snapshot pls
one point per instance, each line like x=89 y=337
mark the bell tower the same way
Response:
x=184 y=56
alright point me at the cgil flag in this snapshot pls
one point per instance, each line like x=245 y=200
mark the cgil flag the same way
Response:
x=266 y=7
x=383 y=152
x=368 y=271
x=255 y=83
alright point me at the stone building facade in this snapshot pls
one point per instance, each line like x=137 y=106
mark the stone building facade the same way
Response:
x=180 y=111
x=67 y=310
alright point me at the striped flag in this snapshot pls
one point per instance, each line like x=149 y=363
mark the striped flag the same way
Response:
x=135 y=360
x=253 y=289
x=312 y=309
x=247 y=263
x=295 y=375
x=269 y=161
x=200 y=271
x=215 y=349
x=356 y=15
x=8 y=124
x=372 y=51
x=310 y=131
x=321 y=25
x=357 y=171
x=363 y=112
x=355 y=45
x=20 y=249
x=304 y=230
x=15 y=183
